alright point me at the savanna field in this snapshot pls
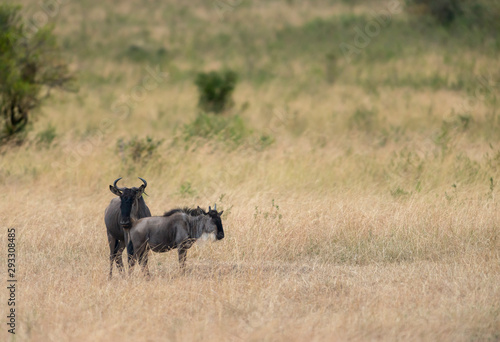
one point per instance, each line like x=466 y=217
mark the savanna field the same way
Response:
x=358 y=169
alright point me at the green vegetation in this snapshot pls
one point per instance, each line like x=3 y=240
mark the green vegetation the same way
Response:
x=138 y=150
x=230 y=129
x=186 y=190
x=30 y=66
x=47 y=136
x=140 y=54
x=473 y=14
x=215 y=90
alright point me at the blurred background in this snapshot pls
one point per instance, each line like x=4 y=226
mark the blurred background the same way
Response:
x=131 y=82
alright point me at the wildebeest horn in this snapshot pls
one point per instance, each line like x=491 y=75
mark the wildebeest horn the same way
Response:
x=215 y=206
x=145 y=183
x=116 y=181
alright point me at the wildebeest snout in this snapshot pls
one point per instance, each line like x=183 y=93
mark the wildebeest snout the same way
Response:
x=125 y=223
x=220 y=235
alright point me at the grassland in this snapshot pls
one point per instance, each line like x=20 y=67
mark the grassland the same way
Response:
x=360 y=198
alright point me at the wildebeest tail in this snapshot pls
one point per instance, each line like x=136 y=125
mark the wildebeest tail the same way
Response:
x=130 y=248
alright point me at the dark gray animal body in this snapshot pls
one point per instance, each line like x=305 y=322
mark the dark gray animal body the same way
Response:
x=120 y=214
x=189 y=211
x=176 y=230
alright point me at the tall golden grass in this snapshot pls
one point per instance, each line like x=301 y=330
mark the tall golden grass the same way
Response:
x=383 y=229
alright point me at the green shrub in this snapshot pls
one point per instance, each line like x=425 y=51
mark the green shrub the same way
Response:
x=186 y=190
x=30 y=66
x=140 y=54
x=47 y=136
x=444 y=11
x=229 y=129
x=480 y=13
x=331 y=67
x=139 y=150
x=399 y=193
x=215 y=90
x=265 y=140
x=363 y=119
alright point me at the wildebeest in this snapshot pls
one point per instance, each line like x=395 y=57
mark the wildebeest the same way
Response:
x=178 y=228
x=121 y=212
x=189 y=211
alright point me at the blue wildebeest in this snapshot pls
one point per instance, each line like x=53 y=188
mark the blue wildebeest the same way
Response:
x=178 y=228
x=189 y=211
x=119 y=215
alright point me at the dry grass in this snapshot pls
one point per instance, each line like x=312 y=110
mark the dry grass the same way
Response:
x=343 y=265
x=342 y=229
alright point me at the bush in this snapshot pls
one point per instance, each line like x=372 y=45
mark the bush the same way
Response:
x=46 y=137
x=231 y=129
x=30 y=66
x=215 y=90
x=186 y=190
x=484 y=14
x=444 y=11
x=140 y=54
x=139 y=150
x=363 y=119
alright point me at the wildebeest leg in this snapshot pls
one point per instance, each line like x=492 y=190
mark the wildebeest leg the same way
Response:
x=142 y=256
x=118 y=256
x=130 y=250
x=182 y=258
x=183 y=247
x=144 y=263
x=131 y=257
x=114 y=247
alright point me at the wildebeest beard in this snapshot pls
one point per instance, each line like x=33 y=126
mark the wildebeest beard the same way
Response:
x=220 y=230
x=128 y=199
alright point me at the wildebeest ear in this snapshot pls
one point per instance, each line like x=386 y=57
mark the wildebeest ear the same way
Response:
x=220 y=214
x=115 y=190
x=139 y=192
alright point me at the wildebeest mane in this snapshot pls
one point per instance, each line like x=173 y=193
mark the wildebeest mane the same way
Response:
x=189 y=211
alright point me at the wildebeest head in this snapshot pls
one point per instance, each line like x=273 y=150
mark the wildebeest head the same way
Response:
x=216 y=219
x=128 y=197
